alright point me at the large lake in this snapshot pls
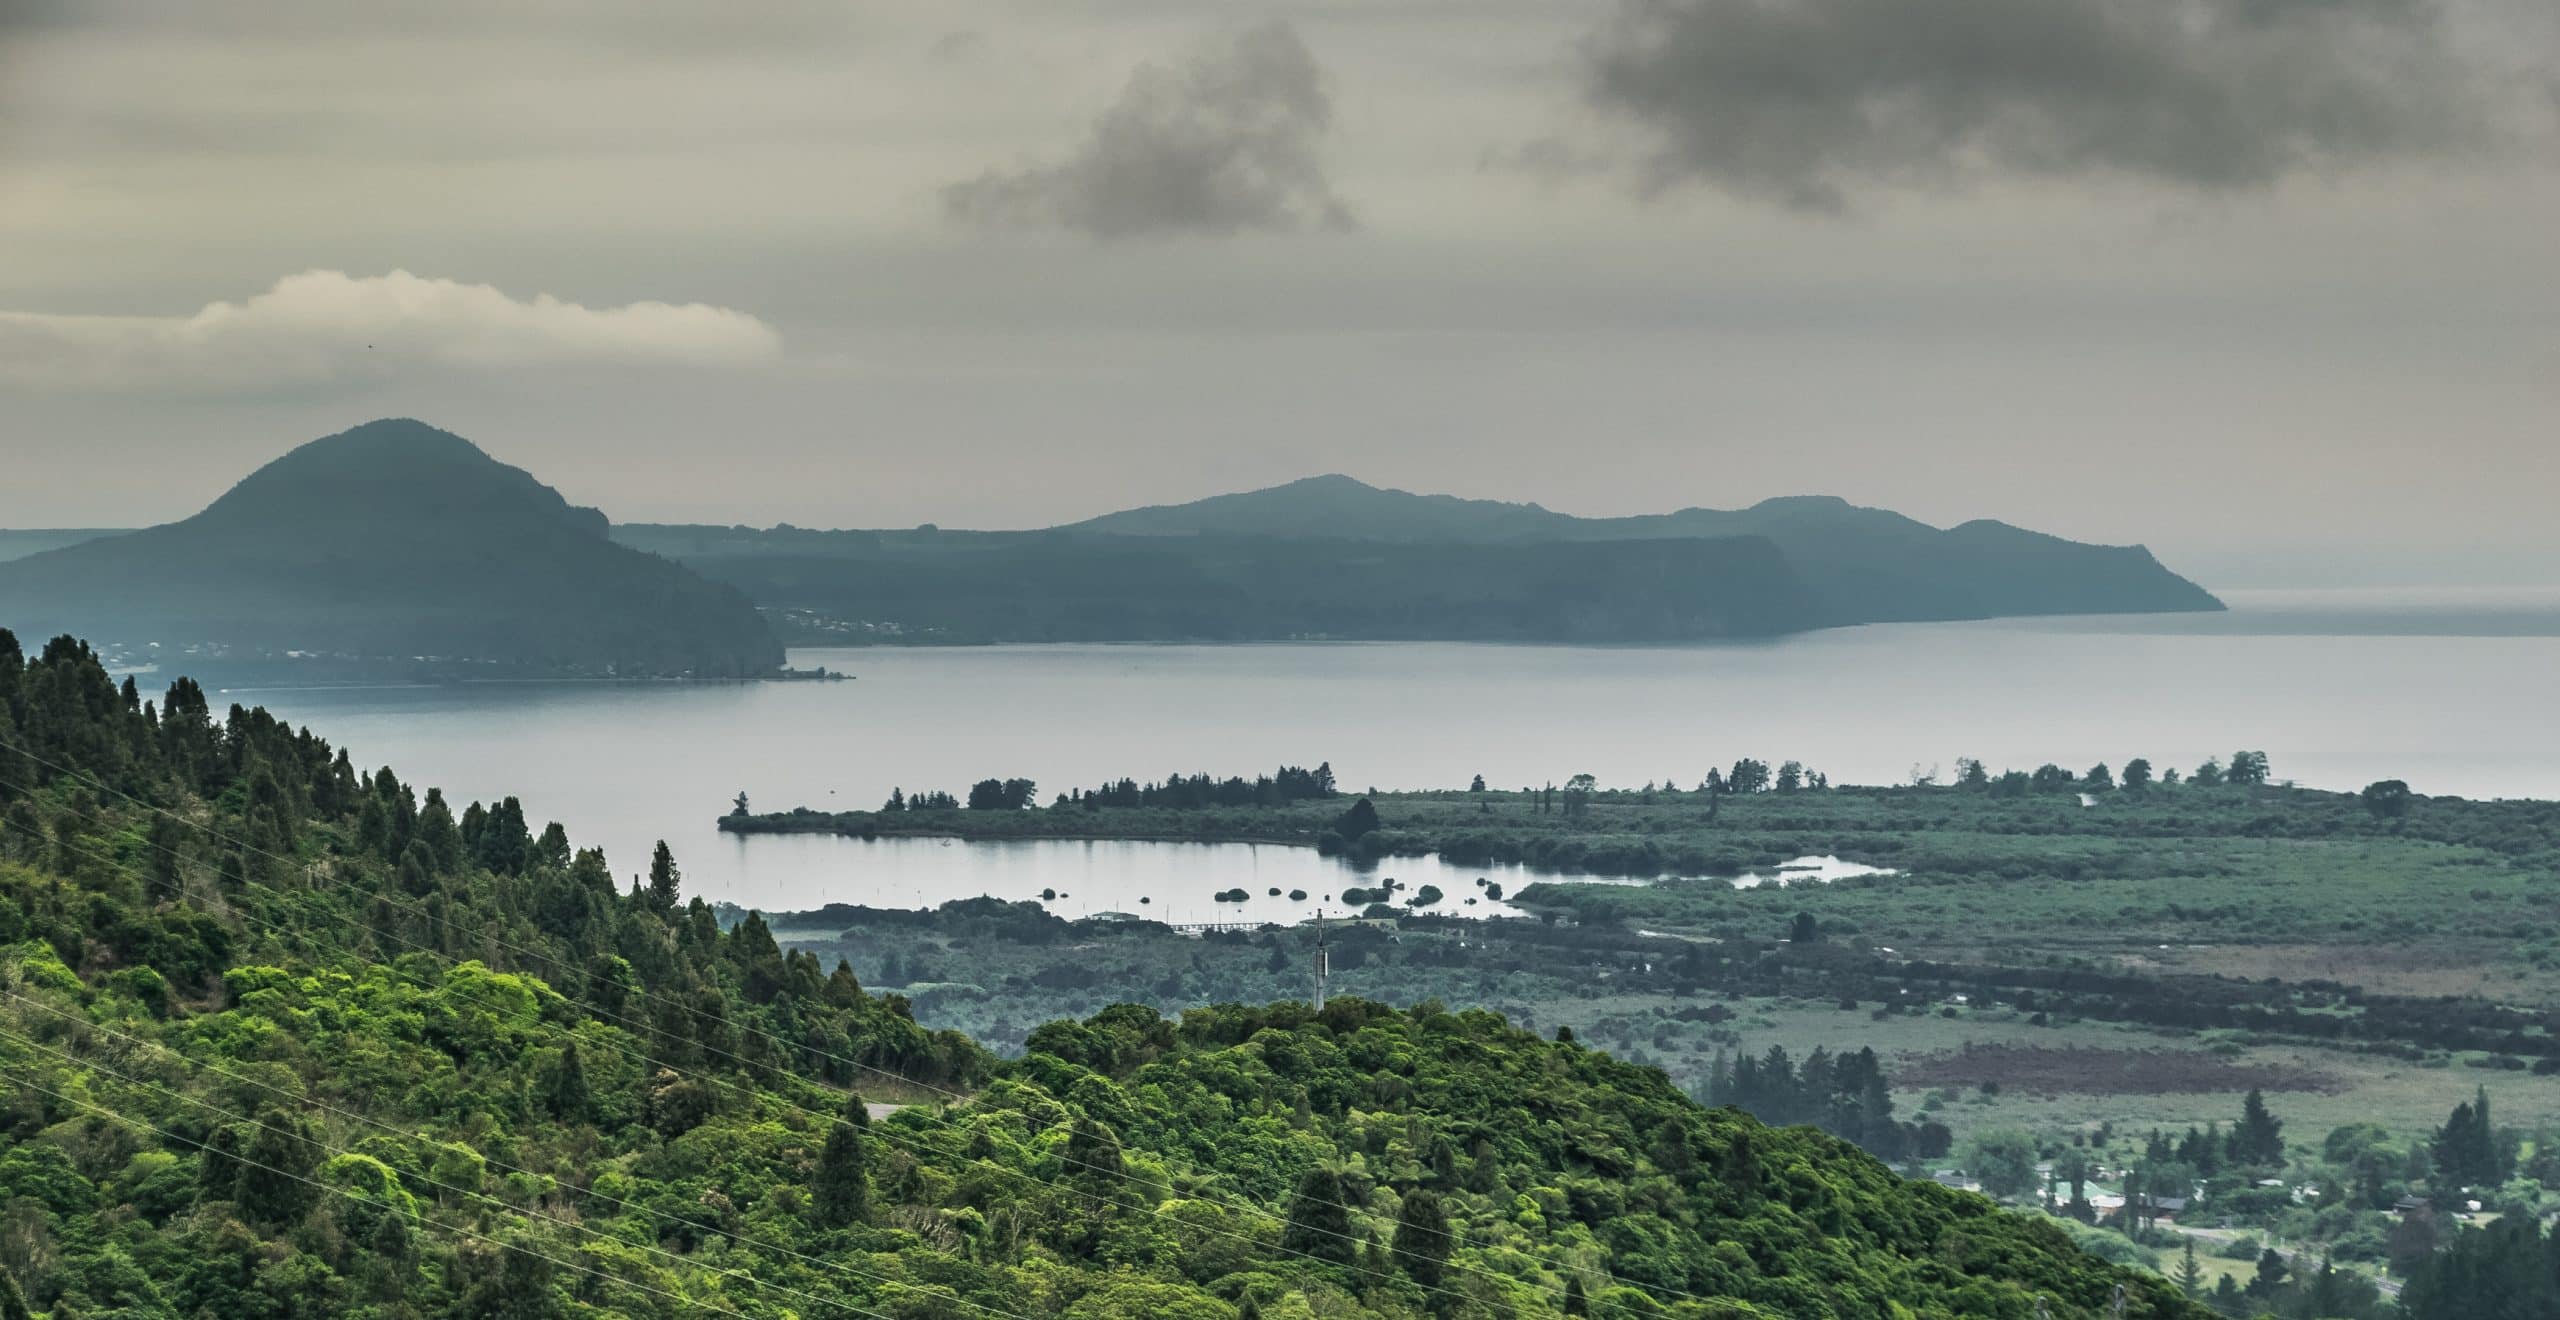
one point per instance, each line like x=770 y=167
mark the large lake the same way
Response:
x=2454 y=692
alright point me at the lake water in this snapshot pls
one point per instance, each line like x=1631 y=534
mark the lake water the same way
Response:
x=2454 y=692
x=1175 y=882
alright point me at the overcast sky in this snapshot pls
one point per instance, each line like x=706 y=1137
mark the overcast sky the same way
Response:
x=2260 y=283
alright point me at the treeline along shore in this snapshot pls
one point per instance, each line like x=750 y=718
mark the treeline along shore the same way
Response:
x=1750 y=815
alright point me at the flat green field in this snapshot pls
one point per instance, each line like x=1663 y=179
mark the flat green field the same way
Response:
x=2086 y=971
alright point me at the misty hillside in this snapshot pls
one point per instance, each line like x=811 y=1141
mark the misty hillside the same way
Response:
x=18 y=543
x=1866 y=565
x=1046 y=587
x=394 y=544
x=1334 y=557
x=1338 y=506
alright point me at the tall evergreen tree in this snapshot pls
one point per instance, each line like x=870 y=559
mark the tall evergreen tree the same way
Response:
x=2466 y=1149
x=1422 y=1242
x=1319 y=1225
x=274 y=1184
x=841 y=1186
x=569 y=1098
x=665 y=881
x=439 y=834
x=2259 y=1139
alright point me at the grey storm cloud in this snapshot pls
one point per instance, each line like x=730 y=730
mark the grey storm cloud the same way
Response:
x=1225 y=142
x=1810 y=102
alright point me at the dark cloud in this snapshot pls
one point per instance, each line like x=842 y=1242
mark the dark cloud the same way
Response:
x=953 y=47
x=1223 y=143
x=1813 y=101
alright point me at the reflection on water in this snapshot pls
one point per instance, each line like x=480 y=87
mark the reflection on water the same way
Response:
x=623 y=767
x=1824 y=869
x=1172 y=882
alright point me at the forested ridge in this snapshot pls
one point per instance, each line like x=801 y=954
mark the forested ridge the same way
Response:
x=1332 y=557
x=286 y=1038
x=393 y=549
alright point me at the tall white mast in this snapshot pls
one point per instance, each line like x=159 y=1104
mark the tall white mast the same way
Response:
x=1324 y=961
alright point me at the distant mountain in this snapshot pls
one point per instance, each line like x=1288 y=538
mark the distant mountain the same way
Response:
x=1334 y=557
x=1864 y=565
x=394 y=545
x=971 y=587
x=1338 y=506
x=18 y=543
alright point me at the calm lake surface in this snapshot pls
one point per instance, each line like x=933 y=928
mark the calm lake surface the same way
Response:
x=2454 y=692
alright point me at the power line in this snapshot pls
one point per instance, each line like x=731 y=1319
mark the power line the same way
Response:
x=751 y=1064
x=167 y=1135
x=263 y=1125
x=587 y=1192
x=1264 y=1212
x=552 y=960
x=918 y=1147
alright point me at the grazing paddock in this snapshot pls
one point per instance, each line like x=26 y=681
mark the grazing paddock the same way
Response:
x=2080 y=1070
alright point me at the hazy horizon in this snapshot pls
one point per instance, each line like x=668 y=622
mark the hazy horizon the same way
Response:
x=2305 y=566
x=2267 y=289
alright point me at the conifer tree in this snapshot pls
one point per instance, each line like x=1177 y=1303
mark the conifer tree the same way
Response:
x=665 y=881
x=439 y=835
x=2259 y=1139
x=1093 y=1150
x=273 y=1184
x=1319 y=1225
x=1422 y=1237
x=569 y=1098
x=841 y=1187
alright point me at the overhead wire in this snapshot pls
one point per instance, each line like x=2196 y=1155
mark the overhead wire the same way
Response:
x=482 y=936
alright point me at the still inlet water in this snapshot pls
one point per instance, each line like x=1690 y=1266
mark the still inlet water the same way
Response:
x=2454 y=693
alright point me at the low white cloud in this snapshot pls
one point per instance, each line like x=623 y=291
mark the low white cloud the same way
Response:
x=325 y=325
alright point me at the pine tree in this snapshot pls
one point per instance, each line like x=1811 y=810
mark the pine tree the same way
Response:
x=843 y=990
x=1319 y=1225
x=569 y=1099
x=841 y=1187
x=1422 y=1237
x=1093 y=1150
x=665 y=881
x=2466 y=1149
x=273 y=1184
x=2259 y=1140
x=1484 y=1177
x=2270 y=1276
x=1576 y=1301
x=1739 y=1169
x=2190 y=1274
x=437 y=831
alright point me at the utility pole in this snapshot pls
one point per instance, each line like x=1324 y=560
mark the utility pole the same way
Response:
x=1324 y=961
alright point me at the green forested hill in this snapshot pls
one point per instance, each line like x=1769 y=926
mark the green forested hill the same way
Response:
x=985 y=587
x=1863 y=565
x=1334 y=557
x=394 y=547
x=282 y=1038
